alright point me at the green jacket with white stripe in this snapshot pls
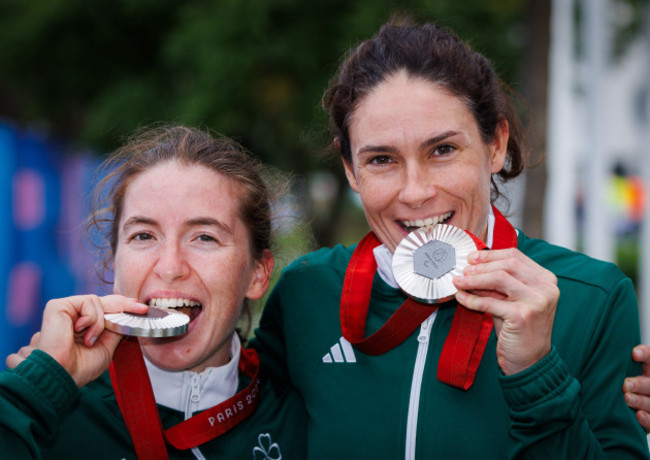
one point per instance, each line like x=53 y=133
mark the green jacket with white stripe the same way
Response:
x=392 y=406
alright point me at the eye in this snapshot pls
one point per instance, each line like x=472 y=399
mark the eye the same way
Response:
x=444 y=149
x=205 y=238
x=380 y=160
x=140 y=236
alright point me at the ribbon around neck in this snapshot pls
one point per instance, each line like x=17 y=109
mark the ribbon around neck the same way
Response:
x=470 y=330
x=135 y=397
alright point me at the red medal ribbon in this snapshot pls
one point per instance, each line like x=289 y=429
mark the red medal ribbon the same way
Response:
x=470 y=330
x=136 y=400
x=355 y=301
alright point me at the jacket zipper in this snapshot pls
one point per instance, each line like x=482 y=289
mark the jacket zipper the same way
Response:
x=192 y=405
x=416 y=386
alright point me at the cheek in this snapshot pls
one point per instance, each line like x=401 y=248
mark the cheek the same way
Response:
x=471 y=180
x=127 y=273
x=486 y=171
x=374 y=193
x=228 y=278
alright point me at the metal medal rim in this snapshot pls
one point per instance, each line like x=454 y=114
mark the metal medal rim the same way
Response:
x=115 y=322
x=422 y=288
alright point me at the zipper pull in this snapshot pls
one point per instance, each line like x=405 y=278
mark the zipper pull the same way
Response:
x=425 y=330
x=195 y=392
x=192 y=401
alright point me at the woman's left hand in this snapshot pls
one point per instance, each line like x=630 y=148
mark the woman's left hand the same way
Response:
x=520 y=295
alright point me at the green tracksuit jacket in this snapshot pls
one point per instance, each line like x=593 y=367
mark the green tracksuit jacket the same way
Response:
x=44 y=415
x=567 y=406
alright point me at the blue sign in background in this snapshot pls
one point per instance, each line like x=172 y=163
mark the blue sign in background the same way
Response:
x=45 y=252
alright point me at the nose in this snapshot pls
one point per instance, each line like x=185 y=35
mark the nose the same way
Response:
x=418 y=186
x=171 y=264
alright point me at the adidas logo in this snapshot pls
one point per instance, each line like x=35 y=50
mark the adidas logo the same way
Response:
x=341 y=352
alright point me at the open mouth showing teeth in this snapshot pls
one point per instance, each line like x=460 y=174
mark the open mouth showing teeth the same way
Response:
x=411 y=225
x=191 y=308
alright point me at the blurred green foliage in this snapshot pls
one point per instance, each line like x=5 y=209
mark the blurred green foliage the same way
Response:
x=91 y=72
x=252 y=69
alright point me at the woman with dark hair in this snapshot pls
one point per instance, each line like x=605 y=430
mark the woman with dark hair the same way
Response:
x=519 y=353
x=188 y=230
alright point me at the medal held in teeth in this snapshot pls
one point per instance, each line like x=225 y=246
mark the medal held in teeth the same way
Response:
x=427 y=259
x=155 y=323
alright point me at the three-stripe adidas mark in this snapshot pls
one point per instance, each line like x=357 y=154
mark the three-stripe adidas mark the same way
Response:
x=341 y=352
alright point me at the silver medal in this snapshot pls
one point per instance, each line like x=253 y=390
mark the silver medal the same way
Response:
x=155 y=323
x=427 y=259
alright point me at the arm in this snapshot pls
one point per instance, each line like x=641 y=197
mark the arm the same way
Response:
x=40 y=388
x=637 y=389
x=583 y=415
x=35 y=398
x=269 y=339
x=556 y=414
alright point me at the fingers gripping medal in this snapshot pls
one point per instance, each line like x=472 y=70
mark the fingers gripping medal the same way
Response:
x=427 y=259
x=155 y=323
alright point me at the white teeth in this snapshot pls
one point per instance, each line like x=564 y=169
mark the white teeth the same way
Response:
x=426 y=222
x=173 y=303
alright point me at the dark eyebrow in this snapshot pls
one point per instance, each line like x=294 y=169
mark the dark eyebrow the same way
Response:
x=376 y=148
x=424 y=145
x=438 y=138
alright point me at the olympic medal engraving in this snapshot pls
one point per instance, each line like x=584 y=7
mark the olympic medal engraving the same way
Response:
x=427 y=259
x=434 y=259
x=155 y=323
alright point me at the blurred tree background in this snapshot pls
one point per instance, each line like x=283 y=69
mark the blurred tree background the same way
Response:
x=89 y=73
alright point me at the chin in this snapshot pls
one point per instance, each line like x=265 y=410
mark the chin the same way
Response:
x=170 y=352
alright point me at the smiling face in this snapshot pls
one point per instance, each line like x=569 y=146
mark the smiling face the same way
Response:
x=180 y=237
x=418 y=159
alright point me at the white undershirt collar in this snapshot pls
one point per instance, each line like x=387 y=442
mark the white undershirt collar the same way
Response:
x=189 y=391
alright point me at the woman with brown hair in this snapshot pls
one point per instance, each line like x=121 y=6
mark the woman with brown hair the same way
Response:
x=520 y=353
x=188 y=226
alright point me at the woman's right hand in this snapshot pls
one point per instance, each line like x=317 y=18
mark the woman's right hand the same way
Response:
x=521 y=296
x=72 y=332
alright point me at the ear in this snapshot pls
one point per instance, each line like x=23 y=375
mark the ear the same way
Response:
x=261 y=276
x=499 y=147
x=349 y=172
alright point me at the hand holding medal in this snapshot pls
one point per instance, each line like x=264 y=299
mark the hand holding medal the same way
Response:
x=72 y=332
x=436 y=264
x=520 y=295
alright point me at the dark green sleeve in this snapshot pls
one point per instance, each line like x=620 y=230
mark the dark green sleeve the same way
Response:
x=34 y=399
x=269 y=340
x=557 y=415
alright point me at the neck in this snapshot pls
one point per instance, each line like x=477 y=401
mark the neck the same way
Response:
x=172 y=388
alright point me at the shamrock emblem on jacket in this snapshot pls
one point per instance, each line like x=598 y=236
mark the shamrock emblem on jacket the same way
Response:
x=267 y=450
